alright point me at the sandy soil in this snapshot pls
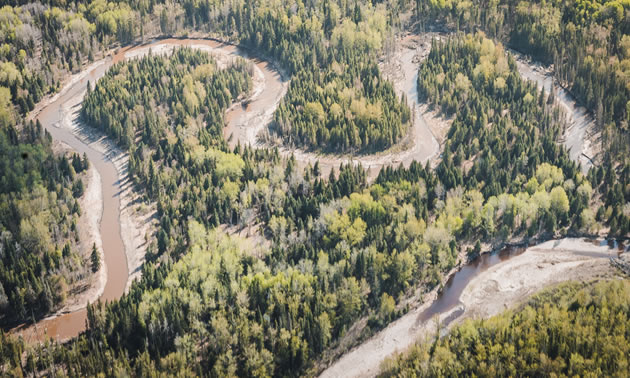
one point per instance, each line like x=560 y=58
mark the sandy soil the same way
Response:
x=420 y=144
x=137 y=219
x=247 y=119
x=581 y=136
x=437 y=123
x=91 y=205
x=331 y=361
x=67 y=85
x=245 y=123
x=541 y=266
x=91 y=210
x=503 y=285
x=136 y=222
x=400 y=66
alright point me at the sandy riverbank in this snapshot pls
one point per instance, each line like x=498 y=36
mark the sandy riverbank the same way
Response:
x=91 y=211
x=544 y=265
x=501 y=286
x=137 y=218
x=401 y=67
x=127 y=230
x=581 y=137
x=91 y=204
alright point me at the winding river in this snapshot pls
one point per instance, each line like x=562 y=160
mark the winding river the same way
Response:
x=581 y=124
x=243 y=125
x=59 y=114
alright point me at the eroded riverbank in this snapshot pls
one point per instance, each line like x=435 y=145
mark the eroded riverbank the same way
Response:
x=581 y=136
x=483 y=288
x=124 y=220
x=124 y=247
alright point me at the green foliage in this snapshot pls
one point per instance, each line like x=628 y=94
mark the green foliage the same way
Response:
x=183 y=97
x=38 y=46
x=38 y=213
x=337 y=99
x=6 y=113
x=571 y=330
x=334 y=250
x=327 y=111
x=95 y=259
x=588 y=43
x=503 y=132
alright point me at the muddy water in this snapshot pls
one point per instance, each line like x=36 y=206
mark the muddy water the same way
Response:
x=449 y=297
x=57 y=114
x=244 y=122
x=52 y=117
x=482 y=288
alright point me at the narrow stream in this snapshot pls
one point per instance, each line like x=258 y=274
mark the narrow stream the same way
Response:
x=581 y=122
x=71 y=324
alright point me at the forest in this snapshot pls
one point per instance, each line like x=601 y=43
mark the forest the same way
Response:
x=503 y=130
x=192 y=91
x=588 y=44
x=39 y=210
x=338 y=103
x=571 y=330
x=338 y=250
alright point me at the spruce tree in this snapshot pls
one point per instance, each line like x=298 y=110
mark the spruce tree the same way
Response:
x=95 y=259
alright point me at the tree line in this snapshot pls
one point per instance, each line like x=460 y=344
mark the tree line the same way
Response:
x=588 y=44
x=39 y=209
x=570 y=330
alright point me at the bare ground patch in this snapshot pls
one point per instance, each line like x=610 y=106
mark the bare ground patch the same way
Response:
x=255 y=242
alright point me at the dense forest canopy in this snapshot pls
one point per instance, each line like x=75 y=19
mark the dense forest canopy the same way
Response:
x=571 y=330
x=339 y=249
x=39 y=211
x=336 y=251
x=198 y=184
x=344 y=104
x=587 y=43
x=39 y=190
x=157 y=98
x=338 y=102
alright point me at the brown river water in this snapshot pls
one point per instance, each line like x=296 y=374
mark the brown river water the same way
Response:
x=243 y=124
x=52 y=116
x=450 y=294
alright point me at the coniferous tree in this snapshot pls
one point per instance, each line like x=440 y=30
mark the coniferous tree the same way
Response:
x=95 y=259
